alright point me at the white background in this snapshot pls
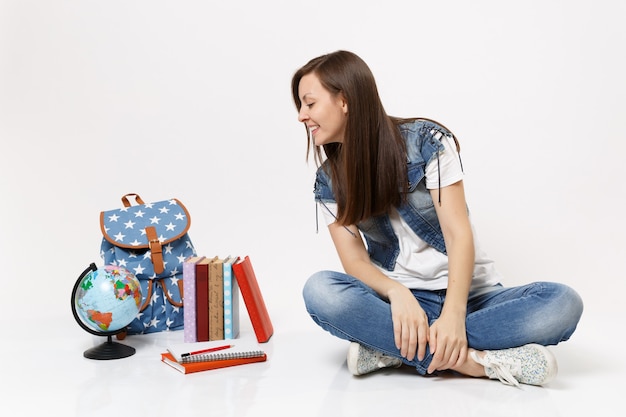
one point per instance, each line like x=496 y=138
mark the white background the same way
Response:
x=191 y=99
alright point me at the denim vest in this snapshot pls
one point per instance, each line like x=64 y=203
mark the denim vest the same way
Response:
x=422 y=144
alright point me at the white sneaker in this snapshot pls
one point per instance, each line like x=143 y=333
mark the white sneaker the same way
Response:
x=529 y=364
x=363 y=360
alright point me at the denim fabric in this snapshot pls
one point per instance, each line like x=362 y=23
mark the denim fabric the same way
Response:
x=497 y=317
x=422 y=142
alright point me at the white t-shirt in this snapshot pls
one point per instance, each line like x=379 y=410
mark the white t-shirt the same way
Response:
x=419 y=265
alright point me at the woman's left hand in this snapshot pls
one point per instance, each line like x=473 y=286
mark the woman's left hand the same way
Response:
x=448 y=342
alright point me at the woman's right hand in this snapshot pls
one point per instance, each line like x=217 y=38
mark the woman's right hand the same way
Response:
x=410 y=323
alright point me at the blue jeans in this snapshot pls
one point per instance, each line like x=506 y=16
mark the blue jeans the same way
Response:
x=497 y=318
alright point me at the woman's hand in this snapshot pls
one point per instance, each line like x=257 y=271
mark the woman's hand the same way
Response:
x=448 y=342
x=447 y=337
x=410 y=323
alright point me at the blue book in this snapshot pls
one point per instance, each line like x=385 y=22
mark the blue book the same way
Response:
x=231 y=300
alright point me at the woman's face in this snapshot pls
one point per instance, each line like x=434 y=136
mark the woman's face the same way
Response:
x=324 y=114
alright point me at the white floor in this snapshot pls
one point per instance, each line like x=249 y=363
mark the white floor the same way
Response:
x=305 y=375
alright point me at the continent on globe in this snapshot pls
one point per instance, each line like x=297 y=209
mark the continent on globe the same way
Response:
x=108 y=299
x=102 y=320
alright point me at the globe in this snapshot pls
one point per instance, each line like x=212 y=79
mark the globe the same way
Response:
x=104 y=301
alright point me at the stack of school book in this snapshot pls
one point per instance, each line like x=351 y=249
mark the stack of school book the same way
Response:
x=211 y=290
x=188 y=358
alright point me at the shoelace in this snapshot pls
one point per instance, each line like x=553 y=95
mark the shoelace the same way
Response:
x=504 y=370
x=385 y=361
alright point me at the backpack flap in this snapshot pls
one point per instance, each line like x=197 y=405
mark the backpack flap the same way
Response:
x=152 y=227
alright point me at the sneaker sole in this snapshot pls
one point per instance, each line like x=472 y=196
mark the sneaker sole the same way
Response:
x=353 y=357
x=551 y=363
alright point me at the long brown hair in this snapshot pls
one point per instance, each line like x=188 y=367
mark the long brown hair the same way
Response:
x=368 y=170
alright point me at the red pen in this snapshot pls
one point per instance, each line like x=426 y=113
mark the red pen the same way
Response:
x=213 y=349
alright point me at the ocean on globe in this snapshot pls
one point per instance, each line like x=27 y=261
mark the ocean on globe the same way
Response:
x=108 y=299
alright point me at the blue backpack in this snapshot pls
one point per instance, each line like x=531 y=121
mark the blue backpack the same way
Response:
x=151 y=241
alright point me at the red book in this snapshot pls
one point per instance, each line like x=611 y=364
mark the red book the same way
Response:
x=188 y=368
x=202 y=300
x=252 y=297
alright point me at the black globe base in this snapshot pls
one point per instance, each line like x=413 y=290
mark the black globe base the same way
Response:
x=109 y=350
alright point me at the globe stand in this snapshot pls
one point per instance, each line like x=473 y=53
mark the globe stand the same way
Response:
x=109 y=349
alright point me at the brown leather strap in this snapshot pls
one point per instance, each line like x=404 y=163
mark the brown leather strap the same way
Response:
x=156 y=251
x=167 y=294
x=127 y=203
x=146 y=303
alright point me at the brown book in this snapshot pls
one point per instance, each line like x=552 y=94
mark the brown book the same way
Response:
x=202 y=300
x=216 y=299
